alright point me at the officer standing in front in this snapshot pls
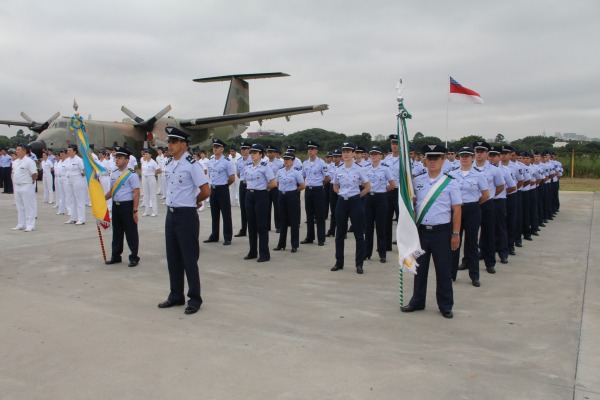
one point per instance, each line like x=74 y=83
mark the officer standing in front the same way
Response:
x=290 y=183
x=438 y=222
x=259 y=179
x=315 y=174
x=346 y=181
x=222 y=174
x=125 y=192
x=187 y=186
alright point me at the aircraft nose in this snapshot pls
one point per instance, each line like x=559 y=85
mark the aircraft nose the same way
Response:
x=37 y=147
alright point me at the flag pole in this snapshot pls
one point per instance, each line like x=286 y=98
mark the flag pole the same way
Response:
x=447 y=107
x=101 y=241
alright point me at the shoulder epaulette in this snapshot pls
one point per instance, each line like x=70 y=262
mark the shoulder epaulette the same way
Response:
x=477 y=169
x=264 y=163
x=169 y=160
x=191 y=159
x=357 y=164
x=298 y=168
x=385 y=165
x=449 y=176
x=423 y=172
x=212 y=157
x=131 y=169
x=454 y=169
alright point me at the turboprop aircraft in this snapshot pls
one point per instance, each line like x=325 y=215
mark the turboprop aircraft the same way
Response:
x=138 y=133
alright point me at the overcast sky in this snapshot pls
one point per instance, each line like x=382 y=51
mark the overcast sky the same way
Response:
x=535 y=63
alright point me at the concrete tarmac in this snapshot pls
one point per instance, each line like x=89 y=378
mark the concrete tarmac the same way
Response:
x=74 y=328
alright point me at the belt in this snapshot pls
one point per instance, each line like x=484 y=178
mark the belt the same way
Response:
x=315 y=187
x=351 y=197
x=377 y=193
x=118 y=203
x=256 y=190
x=180 y=209
x=473 y=203
x=433 y=228
x=218 y=186
x=149 y=176
x=288 y=192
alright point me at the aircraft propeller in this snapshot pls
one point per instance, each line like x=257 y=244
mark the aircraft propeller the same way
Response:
x=146 y=125
x=36 y=126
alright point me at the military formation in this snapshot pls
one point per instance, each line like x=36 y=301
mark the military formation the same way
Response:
x=486 y=199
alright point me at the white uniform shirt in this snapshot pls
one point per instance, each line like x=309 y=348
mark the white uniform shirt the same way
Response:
x=23 y=169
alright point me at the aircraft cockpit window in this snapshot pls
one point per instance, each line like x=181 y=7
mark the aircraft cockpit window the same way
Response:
x=62 y=124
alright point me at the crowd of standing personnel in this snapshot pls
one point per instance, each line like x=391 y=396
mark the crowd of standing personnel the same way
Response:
x=486 y=199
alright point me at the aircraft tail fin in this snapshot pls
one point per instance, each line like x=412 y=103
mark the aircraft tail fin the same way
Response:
x=238 y=98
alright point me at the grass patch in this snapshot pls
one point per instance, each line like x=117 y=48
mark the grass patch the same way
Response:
x=580 y=184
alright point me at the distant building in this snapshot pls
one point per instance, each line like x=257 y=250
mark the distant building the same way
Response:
x=558 y=135
x=269 y=132
x=379 y=138
x=569 y=135
x=559 y=144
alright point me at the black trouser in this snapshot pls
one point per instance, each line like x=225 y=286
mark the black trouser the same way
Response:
x=501 y=230
x=327 y=187
x=542 y=195
x=289 y=215
x=242 y=201
x=526 y=221
x=6 y=174
x=556 y=186
x=220 y=204
x=376 y=205
x=333 y=199
x=511 y=218
x=274 y=204
x=519 y=221
x=349 y=207
x=314 y=203
x=487 y=236
x=124 y=226
x=533 y=210
x=257 y=212
x=434 y=242
x=549 y=200
x=182 y=228
x=393 y=207
x=469 y=227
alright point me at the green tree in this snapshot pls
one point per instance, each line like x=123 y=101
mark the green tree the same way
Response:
x=467 y=141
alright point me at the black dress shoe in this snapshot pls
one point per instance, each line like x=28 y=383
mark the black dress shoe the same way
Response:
x=512 y=252
x=388 y=248
x=249 y=257
x=476 y=283
x=263 y=259
x=330 y=234
x=503 y=261
x=411 y=308
x=210 y=240
x=306 y=241
x=336 y=267
x=277 y=230
x=519 y=244
x=133 y=263
x=294 y=249
x=545 y=221
x=382 y=260
x=279 y=248
x=395 y=242
x=535 y=234
x=462 y=267
x=321 y=243
x=227 y=243
x=543 y=225
x=240 y=234
x=191 y=310
x=491 y=270
x=527 y=238
x=359 y=270
x=111 y=261
x=168 y=303
x=447 y=314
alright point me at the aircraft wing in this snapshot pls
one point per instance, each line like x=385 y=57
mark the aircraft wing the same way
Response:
x=231 y=119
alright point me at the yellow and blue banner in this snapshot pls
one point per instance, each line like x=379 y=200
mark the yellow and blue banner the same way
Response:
x=92 y=169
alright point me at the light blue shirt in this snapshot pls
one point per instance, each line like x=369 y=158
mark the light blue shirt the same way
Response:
x=241 y=167
x=5 y=161
x=289 y=180
x=259 y=176
x=440 y=211
x=450 y=165
x=297 y=164
x=471 y=185
x=493 y=176
x=276 y=165
x=417 y=168
x=183 y=178
x=314 y=172
x=393 y=164
x=517 y=172
x=349 y=179
x=509 y=180
x=125 y=192
x=379 y=177
x=527 y=177
x=220 y=170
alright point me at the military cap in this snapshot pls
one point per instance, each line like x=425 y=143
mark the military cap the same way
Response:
x=270 y=147
x=122 y=151
x=451 y=149
x=311 y=144
x=232 y=147
x=337 y=152
x=245 y=145
x=92 y=146
x=537 y=153
x=289 y=156
x=506 y=148
x=177 y=134
x=393 y=138
x=290 y=148
x=328 y=154
x=145 y=150
x=218 y=142
x=411 y=148
x=481 y=144
x=359 y=149
x=433 y=150
x=257 y=147
x=348 y=146
x=466 y=150
x=71 y=146
x=49 y=149
x=494 y=149
x=376 y=150
x=277 y=151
